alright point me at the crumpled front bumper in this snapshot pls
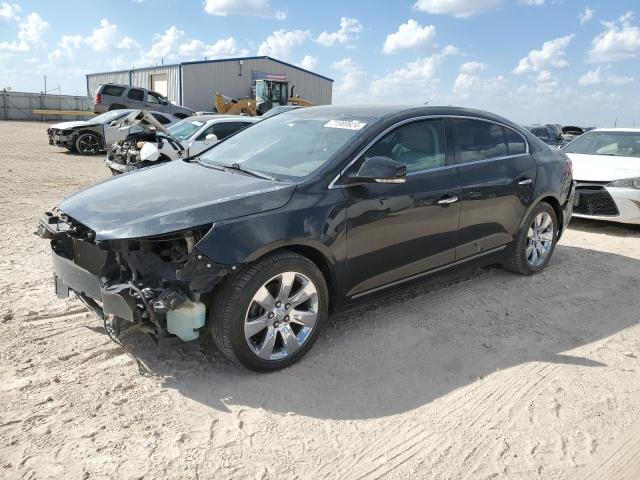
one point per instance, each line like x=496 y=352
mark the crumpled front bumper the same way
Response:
x=58 y=139
x=69 y=276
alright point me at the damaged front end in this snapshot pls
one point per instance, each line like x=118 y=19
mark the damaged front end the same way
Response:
x=128 y=154
x=124 y=155
x=158 y=284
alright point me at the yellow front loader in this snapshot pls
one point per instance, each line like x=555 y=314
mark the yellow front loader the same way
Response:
x=269 y=94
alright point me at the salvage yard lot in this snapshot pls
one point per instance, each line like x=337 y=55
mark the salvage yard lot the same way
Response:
x=491 y=375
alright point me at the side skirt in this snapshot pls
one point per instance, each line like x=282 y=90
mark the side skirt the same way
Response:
x=429 y=272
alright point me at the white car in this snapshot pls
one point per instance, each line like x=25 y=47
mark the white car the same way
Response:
x=606 y=168
x=187 y=138
x=92 y=136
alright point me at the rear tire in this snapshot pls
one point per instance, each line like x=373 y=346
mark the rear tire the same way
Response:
x=535 y=242
x=257 y=318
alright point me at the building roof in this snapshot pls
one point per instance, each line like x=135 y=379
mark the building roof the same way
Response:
x=263 y=57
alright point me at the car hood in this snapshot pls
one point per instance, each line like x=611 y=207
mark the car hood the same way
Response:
x=142 y=118
x=173 y=196
x=69 y=125
x=603 y=168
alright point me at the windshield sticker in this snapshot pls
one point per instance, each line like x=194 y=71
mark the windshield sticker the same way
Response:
x=346 y=124
x=198 y=124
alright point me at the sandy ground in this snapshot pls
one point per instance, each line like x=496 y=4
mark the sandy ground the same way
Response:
x=481 y=374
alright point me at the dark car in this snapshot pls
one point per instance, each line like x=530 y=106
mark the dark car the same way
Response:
x=549 y=134
x=259 y=238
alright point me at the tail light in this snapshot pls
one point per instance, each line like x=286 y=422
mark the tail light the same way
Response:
x=98 y=98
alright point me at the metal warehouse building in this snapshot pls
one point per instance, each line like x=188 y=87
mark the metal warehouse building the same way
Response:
x=194 y=84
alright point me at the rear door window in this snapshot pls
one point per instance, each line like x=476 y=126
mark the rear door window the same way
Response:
x=136 y=94
x=478 y=140
x=112 y=90
x=515 y=143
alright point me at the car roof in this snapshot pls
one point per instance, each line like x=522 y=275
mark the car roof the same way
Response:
x=223 y=118
x=381 y=111
x=634 y=130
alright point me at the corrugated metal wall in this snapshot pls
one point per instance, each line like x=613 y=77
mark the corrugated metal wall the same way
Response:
x=142 y=78
x=94 y=80
x=200 y=81
x=20 y=106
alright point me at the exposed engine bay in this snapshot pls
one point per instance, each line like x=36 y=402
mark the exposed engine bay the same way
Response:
x=157 y=284
x=126 y=155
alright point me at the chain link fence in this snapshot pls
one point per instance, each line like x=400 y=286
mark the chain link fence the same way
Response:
x=20 y=106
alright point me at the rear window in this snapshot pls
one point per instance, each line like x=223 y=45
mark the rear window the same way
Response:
x=113 y=90
x=480 y=140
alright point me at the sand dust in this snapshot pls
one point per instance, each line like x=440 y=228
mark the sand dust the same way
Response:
x=490 y=375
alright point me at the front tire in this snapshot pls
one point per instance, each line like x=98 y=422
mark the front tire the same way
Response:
x=535 y=243
x=268 y=315
x=88 y=144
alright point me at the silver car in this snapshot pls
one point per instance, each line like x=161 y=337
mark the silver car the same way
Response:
x=112 y=96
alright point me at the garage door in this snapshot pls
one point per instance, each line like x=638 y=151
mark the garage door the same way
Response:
x=159 y=83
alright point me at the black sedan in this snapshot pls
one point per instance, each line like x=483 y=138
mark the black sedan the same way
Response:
x=259 y=238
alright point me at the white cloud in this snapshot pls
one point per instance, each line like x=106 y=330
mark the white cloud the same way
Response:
x=9 y=12
x=552 y=55
x=586 y=16
x=254 y=8
x=351 y=75
x=308 y=62
x=66 y=48
x=620 y=41
x=469 y=82
x=108 y=37
x=280 y=44
x=409 y=35
x=349 y=28
x=532 y=3
x=174 y=44
x=596 y=77
x=473 y=67
x=414 y=77
x=457 y=8
x=29 y=35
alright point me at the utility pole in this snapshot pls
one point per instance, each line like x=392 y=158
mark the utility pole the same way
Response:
x=45 y=84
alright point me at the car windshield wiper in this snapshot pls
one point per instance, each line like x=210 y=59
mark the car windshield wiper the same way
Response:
x=233 y=166
x=236 y=166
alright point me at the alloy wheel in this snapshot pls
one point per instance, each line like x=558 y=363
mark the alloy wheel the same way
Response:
x=281 y=316
x=539 y=239
x=89 y=144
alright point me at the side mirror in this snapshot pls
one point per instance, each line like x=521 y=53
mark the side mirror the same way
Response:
x=379 y=170
x=211 y=138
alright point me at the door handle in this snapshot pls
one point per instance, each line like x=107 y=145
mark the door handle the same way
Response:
x=447 y=200
x=525 y=181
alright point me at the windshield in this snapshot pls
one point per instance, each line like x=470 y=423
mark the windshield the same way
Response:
x=185 y=129
x=287 y=146
x=617 y=144
x=110 y=116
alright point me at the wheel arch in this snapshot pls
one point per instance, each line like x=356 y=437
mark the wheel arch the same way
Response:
x=553 y=200
x=313 y=253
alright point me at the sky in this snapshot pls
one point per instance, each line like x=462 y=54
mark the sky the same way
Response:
x=533 y=61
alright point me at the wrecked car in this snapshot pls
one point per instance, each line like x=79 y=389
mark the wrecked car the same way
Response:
x=93 y=136
x=254 y=242
x=184 y=139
